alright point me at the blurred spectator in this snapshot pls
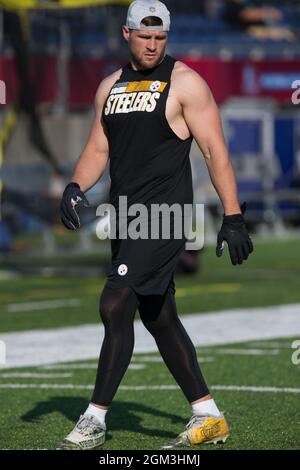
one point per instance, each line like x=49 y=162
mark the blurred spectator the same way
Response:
x=262 y=22
x=187 y=7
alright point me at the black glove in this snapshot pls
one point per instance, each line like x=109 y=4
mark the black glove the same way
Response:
x=234 y=232
x=72 y=200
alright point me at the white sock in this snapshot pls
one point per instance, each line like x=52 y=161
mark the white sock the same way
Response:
x=99 y=413
x=206 y=407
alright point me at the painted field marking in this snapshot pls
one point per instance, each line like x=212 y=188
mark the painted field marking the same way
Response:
x=54 y=345
x=247 y=351
x=144 y=359
x=33 y=375
x=136 y=388
x=42 y=305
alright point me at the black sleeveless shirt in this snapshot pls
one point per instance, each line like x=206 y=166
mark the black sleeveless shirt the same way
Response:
x=149 y=163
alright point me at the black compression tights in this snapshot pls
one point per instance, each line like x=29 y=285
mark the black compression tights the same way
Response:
x=159 y=315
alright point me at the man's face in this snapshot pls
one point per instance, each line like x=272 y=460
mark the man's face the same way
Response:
x=147 y=48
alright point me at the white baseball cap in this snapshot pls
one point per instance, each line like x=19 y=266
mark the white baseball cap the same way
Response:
x=139 y=9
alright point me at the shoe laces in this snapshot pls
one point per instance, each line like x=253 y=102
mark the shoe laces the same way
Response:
x=87 y=424
x=196 y=419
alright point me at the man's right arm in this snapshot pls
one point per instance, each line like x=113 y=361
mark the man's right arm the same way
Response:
x=93 y=159
x=91 y=164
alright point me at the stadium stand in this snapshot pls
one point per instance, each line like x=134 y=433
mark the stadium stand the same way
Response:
x=64 y=53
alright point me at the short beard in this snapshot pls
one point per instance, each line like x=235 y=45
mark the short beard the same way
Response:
x=141 y=65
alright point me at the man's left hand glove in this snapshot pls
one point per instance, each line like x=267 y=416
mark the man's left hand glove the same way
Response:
x=234 y=232
x=72 y=200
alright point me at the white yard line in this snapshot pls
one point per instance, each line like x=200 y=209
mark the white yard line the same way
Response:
x=42 y=305
x=254 y=388
x=70 y=366
x=139 y=388
x=40 y=347
x=142 y=361
x=33 y=375
x=247 y=352
x=142 y=358
x=270 y=344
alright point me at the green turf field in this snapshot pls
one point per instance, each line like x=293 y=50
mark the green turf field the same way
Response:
x=38 y=417
x=255 y=382
x=270 y=276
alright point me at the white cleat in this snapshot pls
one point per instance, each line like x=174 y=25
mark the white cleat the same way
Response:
x=88 y=434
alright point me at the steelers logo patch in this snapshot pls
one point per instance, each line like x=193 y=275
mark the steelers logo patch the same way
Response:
x=122 y=269
x=155 y=86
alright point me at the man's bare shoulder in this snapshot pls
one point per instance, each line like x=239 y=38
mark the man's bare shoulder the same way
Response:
x=183 y=72
x=105 y=86
x=187 y=81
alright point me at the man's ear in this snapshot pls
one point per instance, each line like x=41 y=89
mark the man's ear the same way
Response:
x=126 y=32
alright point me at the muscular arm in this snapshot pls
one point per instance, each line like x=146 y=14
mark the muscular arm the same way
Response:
x=203 y=120
x=93 y=160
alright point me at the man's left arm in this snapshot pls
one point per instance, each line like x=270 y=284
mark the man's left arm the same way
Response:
x=203 y=119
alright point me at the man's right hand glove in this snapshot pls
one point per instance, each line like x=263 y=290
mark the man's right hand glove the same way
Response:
x=234 y=232
x=72 y=200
